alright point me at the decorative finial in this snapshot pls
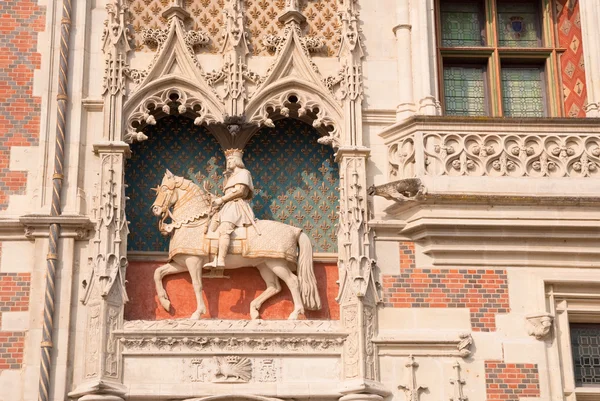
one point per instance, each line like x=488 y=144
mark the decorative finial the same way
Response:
x=176 y=10
x=292 y=13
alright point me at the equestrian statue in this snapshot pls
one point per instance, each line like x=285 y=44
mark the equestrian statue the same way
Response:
x=217 y=233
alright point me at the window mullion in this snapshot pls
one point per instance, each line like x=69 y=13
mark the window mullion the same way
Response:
x=494 y=61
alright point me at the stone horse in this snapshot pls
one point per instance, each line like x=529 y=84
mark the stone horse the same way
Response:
x=276 y=250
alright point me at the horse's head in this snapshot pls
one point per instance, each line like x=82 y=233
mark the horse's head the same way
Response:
x=166 y=194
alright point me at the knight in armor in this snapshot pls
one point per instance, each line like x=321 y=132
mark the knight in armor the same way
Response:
x=234 y=206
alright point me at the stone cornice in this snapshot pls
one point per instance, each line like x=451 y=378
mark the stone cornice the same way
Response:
x=37 y=226
x=482 y=124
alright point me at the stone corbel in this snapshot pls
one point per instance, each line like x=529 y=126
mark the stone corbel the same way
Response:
x=408 y=189
x=539 y=325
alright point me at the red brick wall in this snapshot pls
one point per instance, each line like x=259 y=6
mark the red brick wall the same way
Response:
x=224 y=298
x=484 y=292
x=20 y=22
x=511 y=381
x=14 y=297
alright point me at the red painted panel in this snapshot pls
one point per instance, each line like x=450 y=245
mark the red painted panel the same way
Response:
x=224 y=298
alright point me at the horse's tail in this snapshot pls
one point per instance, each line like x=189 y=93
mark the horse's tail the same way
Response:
x=306 y=276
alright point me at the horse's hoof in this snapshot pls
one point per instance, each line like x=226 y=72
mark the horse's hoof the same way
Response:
x=254 y=314
x=195 y=316
x=294 y=315
x=165 y=303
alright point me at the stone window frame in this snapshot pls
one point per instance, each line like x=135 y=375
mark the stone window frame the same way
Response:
x=493 y=58
x=571 y=302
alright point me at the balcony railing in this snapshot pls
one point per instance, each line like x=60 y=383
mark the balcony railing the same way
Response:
x=553 y=148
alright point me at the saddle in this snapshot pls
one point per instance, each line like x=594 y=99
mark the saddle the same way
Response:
x=236 y=246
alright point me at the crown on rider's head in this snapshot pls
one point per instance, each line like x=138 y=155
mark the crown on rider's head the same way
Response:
x=234 y=152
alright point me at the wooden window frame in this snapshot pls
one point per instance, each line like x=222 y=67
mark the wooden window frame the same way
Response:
x=547 y=55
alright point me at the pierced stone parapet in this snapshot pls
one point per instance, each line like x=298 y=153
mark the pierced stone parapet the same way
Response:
x=492 y=148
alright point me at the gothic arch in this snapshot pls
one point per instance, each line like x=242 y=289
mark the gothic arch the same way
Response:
x=292 y=97
x=169 y=95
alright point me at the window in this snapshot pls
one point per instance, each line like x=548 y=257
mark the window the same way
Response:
x=585 y=346
x=575 y=349
x=497 y=58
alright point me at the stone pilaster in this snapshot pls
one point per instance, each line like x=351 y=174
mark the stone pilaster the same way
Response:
x=590 y=29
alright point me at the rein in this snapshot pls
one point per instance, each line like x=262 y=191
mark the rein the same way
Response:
x=192 y=221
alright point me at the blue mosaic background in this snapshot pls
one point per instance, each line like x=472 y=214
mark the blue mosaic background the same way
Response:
x=295 y=178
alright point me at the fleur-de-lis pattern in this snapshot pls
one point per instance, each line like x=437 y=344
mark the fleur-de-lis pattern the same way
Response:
x=260 y=19
x=187 y=150
x=321 y=17
x=206 y=16
x=295 y=178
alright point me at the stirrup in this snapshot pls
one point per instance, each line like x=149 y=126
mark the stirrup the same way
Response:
x=215 y=263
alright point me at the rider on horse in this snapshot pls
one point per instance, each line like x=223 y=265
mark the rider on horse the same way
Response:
x=234 y=206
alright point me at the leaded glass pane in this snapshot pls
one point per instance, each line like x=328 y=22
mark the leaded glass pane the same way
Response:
x=523 y=92
x=464 y=91
x=518 y=24
x=585 y=345
x=462 y=24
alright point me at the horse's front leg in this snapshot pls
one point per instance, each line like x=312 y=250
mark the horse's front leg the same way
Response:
x=194 y=265
x=159 y=274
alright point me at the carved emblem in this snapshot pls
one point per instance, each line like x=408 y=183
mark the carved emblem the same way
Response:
x=233 y=369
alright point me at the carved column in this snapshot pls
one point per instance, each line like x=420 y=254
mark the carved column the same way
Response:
x=406 y=105
x=358 y=292
x=425 y=57
x=235 y=50
x=104 y=285
x=590 y=29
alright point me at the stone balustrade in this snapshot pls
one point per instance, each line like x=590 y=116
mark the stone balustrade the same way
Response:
x=494 y=148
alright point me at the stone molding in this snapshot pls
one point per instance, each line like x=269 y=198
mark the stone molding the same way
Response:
x=264 y=337
x=401 y=345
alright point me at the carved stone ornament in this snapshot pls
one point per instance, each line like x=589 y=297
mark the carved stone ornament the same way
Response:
x=464 y=346
x=411 y=388
x=408 y=189
x=457 y=384
x=539 y=325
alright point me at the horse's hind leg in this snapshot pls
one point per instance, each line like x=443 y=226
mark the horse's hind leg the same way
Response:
x=281 y=269
x=273 y=287
x=159 y=274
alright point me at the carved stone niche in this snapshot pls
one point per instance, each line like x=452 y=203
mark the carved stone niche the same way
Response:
x=539 y=325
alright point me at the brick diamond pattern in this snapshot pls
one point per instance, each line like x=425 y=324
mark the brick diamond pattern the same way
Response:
x=572 y=66
x=321 y=17
x=483 y=292
x=20 y=110
x=511 y=381
x=206 y=16
x=14 y=297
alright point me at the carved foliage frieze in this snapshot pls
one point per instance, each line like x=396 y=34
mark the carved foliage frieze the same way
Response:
x=511 y=155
